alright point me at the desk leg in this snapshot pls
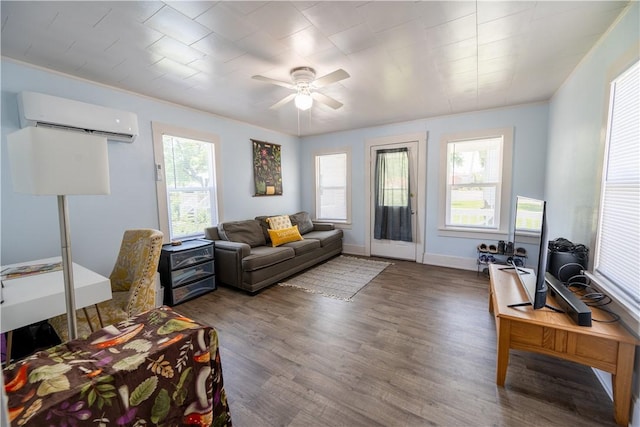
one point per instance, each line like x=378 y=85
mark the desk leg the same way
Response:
x=7 y=356
x=504 y=332
x=622 y=383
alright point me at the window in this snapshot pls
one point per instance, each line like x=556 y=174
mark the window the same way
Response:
x=186 y=181
x=618 y=243
x=333 y=186
x=476 y=177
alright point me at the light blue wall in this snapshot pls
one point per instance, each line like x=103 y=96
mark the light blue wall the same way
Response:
x=530 y=142
x=29 y=224
x=577 y=121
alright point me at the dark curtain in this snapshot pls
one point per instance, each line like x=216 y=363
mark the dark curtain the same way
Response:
x=393 y=199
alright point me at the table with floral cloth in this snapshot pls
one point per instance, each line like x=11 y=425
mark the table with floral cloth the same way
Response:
x=157 y=368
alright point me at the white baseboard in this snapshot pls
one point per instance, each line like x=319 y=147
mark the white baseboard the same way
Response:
x=426 y=258
x=353 y=250
x=450 y=261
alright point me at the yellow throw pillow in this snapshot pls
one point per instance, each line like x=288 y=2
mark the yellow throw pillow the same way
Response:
x=279 y=222
x=284 y=235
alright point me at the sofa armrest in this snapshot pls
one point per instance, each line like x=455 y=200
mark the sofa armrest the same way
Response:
x=211 y=233
x=322 y=226
x=228 y=261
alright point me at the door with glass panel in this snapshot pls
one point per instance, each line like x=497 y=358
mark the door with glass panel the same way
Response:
x=393 y=202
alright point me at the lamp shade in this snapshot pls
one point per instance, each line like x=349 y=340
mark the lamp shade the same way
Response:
x=303 y=101
x=47 y=161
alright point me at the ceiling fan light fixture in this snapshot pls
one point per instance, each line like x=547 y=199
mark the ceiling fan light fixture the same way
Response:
x=303 y=101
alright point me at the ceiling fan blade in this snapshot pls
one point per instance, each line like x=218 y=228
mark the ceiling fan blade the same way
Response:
x=274 y=82
x=283 y=101
x=327 y=100
x=336 y=76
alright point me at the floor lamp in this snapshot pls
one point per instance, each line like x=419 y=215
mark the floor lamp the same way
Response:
x=46 y=161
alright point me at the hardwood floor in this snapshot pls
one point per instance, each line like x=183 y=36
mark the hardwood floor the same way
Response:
x=416 y=347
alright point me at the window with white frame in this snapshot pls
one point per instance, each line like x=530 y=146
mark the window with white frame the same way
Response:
x=186 y=181
x=333 y=186
x=618 y=244
x=476 y=181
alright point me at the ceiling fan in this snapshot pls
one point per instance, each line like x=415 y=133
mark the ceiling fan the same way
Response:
x=304 y=83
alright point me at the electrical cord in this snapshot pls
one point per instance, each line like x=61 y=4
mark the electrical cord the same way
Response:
x=591 y=296
x=569 y=264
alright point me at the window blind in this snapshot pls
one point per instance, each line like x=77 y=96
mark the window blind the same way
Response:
x=618 y=247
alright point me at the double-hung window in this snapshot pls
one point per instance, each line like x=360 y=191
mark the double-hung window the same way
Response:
x=333 y=186
x=186 y=181
x=476 y=181
x=618 y=244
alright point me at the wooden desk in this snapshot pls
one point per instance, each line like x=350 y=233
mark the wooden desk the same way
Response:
x=606 y=346
x=38 y=297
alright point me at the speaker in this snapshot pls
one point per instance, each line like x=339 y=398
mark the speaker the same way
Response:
x=558 y=260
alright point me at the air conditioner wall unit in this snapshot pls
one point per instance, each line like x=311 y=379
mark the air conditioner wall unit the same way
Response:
x=40 y=110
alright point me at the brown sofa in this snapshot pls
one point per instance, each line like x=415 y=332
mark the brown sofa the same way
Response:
x=246 y=259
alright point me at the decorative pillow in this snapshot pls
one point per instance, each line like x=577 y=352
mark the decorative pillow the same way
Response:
x=284 y=235
x=303 y=221
x=279 y=222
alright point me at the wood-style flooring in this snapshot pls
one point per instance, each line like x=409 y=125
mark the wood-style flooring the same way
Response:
x=416 y=347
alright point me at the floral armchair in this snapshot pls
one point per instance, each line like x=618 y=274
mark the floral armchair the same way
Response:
x=132 y=285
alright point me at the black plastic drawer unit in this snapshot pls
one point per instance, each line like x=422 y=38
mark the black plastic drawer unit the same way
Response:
x=187 y=270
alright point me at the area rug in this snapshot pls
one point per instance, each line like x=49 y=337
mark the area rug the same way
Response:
x=340 y=278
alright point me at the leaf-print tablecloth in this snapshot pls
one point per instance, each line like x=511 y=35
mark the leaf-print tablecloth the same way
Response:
x=158 y=368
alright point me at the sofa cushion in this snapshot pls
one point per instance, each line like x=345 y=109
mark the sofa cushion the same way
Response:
x=279 y=222
x=284 y=235
x=303 y=221
x=265 y=227
x=325 y=237
x=247 y=231
x=264 y=256
x=303 y=246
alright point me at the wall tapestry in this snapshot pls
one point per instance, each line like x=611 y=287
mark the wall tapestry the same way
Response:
x=267 y=169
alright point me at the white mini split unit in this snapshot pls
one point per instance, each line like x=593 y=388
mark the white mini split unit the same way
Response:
x=40 y=110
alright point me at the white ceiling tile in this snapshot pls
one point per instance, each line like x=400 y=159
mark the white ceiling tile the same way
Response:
x=261 y=44
x=226 y=22
x=354 y=39
x=244 y=7
x=218 y=48
x=434 y=13
x=126 y=28
x=384 y=15
x=125 y=50
x=502 y=64
x=451 y=32
x=138 y=10
x=170 y=67
x=505 y=47
x=331 y=58
x=308 y=41
x=138 y=68
x=191 y=9
x=83 y=14
x=21 y=13
x=245 y=66
x=175 y=50
x=280 y=19
x=408 y=34
x=177 y=26
x=492 y=10
x=333 y=17
x=505 y=27
x=454 y=51
x=459 y=66
x=416 y=59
